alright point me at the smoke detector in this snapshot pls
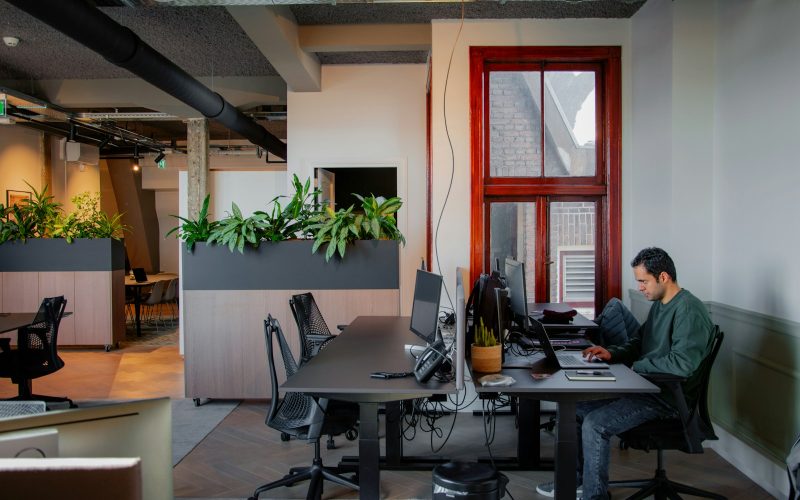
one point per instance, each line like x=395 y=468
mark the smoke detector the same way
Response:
x=11 y=41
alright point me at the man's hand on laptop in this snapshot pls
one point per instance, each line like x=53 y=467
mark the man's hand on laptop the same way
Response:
x=596 y=353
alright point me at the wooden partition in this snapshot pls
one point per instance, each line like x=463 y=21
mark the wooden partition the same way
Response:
x=90 y=274
x=227 y=296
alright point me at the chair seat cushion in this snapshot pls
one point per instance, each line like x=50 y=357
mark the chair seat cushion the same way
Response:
x=666 y=434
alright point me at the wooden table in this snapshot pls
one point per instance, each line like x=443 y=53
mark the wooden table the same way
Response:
x=136 y=287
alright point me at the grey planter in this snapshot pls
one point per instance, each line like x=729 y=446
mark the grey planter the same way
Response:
x=55 y=254
x=290 y=265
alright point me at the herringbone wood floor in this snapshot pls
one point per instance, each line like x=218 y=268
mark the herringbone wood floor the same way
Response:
x=242 y=453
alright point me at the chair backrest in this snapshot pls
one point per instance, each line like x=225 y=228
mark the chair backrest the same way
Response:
x=294 y=413
x=699 y=415
x=171 y=291
x=41 y=336
x=309 y=323
x=159 y=287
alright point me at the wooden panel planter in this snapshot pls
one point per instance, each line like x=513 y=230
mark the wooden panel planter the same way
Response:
x=89 y=273
x=227 y=296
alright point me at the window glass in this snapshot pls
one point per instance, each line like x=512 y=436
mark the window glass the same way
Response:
x=513 y=234
x=570 y=125
x=515 y=124
x=572 y=254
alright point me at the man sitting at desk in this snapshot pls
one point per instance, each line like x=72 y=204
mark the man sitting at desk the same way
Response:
x=675 y=339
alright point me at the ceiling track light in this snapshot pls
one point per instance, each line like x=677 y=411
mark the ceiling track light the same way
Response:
x=159 y=157
x=104 y=142
x=135 y=158
x=71 y=132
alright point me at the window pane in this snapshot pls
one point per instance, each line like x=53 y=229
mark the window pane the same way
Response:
x=569 y=117
x=513 y=234
x=572 y=253
x=515 y=124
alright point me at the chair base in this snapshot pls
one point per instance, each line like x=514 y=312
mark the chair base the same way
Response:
x=317 y=474
x=26 y=394
x=662 y=487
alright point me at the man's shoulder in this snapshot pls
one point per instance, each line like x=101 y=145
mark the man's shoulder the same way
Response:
x=687 y=300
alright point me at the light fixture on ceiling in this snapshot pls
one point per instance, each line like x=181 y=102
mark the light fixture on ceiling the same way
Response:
x=104 y=142
x=136 y=158
x=159 y=157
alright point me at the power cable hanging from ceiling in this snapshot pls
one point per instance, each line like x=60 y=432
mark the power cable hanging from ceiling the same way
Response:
x=452 y=159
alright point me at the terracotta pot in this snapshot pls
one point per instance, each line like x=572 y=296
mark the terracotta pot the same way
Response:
x=487 y=359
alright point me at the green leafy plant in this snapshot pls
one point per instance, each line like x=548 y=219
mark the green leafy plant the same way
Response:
x=88 y=221
x=337 y=229
x=301 y=210
x=236 y=230
x=484 y=337
x=33 y=218
x=196 y=230
x=379 y=221
x=341 y=227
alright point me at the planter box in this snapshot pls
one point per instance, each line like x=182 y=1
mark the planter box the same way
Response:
x=89 y=273
x=290 y=265
x=55 y=254
x=227 y=295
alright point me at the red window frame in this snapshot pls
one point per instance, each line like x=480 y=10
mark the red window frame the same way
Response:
x=605 y=185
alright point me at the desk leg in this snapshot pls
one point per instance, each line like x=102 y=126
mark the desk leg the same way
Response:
x=528 y=436
x=566 y=452
x=369 y=451
x=137 y=306
x=394 y=434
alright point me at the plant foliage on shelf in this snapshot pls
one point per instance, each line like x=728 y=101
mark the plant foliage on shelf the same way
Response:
x=43 y=217
x=194 y=230
x=301 y=218
x=341 y=227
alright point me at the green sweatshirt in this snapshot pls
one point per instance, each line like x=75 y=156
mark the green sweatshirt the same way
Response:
x=675 y=339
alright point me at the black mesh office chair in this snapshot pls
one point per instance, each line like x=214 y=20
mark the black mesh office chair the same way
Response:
x=314 y=332
x=36 y=354
x=314 y=336
x=685 y=432
x=301 y=416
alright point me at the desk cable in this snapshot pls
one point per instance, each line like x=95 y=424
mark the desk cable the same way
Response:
x=489 y=429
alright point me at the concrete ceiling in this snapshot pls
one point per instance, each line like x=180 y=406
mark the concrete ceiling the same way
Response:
x=248 y=51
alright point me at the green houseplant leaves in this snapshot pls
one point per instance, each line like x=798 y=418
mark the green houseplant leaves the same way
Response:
x=196 y=230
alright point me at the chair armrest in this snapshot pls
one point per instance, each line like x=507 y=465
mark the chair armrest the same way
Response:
x=663 y=377
x=672 y=383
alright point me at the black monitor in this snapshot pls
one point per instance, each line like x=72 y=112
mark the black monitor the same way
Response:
x=517 y=297
x=139 y=274
x=425 y=310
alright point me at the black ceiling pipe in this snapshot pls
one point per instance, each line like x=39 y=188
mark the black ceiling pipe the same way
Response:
x=121 y=46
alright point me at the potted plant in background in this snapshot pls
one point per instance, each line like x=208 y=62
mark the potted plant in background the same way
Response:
x=486 y=352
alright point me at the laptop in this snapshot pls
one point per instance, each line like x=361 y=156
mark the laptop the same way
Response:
x=565 y=360
x=139 y=275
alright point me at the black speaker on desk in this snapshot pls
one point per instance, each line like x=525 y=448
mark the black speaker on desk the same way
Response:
x=468 y=481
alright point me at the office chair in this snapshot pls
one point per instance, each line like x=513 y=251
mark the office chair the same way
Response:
x=314 y=332
x=36 y=354
x=314 y=336
x=301 y=416
x=685 y=432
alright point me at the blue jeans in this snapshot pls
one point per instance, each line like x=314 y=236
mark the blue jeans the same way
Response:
x=597 y=422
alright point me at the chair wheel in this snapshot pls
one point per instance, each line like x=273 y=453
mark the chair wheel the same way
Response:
x=285 y=437
x=351 y=434
x=330 y=444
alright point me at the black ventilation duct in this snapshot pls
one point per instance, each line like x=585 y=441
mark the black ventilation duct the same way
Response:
x=121 y=46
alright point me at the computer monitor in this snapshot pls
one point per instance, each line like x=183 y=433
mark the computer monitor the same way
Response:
x=517 y=297
x=425 y=310
x=139 y=274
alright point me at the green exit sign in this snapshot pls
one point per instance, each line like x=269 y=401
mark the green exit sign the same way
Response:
x=3 y=105
x=162 y=164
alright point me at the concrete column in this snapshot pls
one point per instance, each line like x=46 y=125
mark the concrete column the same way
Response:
x=197 y=142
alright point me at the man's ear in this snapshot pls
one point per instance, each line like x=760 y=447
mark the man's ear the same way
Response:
x=663 y=277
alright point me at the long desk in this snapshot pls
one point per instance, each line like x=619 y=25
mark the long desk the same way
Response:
x=342 y=369
x=566 y=393
x=15 y=321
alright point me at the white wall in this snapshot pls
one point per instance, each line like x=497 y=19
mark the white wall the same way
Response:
x=756 y=235
x=454 y=233
x=168 y=247
x=21 y=159
x=368 y=115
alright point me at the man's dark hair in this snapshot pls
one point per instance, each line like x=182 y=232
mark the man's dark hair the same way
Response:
x=655 y=262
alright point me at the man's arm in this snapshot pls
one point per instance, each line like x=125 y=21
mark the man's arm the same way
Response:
x=629 y=351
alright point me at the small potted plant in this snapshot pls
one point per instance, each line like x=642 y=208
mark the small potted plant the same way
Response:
x=486 y=352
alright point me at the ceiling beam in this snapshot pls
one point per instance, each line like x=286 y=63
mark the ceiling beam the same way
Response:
x=274 y=31
x=242 y=92
x=365 y=37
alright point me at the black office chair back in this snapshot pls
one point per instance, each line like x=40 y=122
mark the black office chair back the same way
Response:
x=39 y=340
x=314 y=332
x=294 y=413
x=700 y=414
